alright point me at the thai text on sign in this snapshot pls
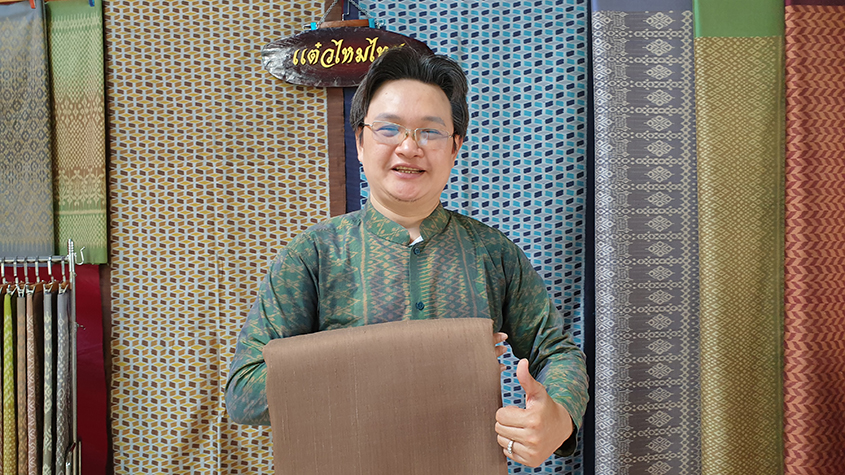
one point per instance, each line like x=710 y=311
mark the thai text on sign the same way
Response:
x=331 y=57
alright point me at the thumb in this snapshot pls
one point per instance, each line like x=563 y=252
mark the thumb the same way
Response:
x=533 y=389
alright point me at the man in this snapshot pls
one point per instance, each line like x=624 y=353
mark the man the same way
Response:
x=403 y=256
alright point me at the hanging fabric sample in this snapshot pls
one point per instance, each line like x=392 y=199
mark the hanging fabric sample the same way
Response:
x=647 y=302
x=814 y=372
x=248 y=174
x=91 y=393
x=10 y=429
x=26 y=190
x=2 y=376
x=76 y=60
x=63 y=375
x=740 y=123
x=522 y=168
x=49 y=378
x=34 y=373
x=20 y=388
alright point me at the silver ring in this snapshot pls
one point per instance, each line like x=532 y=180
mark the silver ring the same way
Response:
x=510 y=447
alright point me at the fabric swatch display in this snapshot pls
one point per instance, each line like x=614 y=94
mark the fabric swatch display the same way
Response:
x=647 y=301
x=386 y=398
x=740 y=122
x=76 y=62
x=26 y=189
x=814 y=380
x=30 y=320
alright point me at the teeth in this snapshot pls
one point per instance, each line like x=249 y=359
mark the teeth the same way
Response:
x=407 y=170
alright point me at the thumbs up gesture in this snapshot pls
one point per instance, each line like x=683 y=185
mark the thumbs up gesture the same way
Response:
x=529 y=436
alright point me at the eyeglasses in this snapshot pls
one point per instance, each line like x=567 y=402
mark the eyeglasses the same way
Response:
x=388 y=133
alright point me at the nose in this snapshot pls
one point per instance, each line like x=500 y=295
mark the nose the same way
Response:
x=409 y=144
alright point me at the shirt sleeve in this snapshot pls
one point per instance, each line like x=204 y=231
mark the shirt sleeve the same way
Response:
x=286 y=305
x=535 y=331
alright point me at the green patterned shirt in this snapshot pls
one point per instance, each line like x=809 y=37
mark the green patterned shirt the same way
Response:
x=358 y=269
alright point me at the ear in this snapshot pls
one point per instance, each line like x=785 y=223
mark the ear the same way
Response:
x=458 y=141
x=359 y=143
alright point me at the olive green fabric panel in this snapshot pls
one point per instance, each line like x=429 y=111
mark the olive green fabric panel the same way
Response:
x=740 y=129
x=738 y=19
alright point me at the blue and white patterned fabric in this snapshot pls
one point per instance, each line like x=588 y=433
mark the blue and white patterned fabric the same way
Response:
x=523 y=164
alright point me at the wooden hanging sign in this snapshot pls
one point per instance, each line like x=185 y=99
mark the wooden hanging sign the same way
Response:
x=331 y=57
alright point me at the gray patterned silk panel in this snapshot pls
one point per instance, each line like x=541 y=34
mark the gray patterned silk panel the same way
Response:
x=26 y=176
x=647 y=291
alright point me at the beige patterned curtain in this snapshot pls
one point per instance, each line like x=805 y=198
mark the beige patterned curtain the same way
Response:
x=207 y=152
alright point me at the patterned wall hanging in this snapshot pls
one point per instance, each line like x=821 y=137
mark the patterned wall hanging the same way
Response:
x=740 y=124
x=214 y=165
x=79 y=154
x=814 y=380
x=523 y=167
x=26 y=188
x=647 y=301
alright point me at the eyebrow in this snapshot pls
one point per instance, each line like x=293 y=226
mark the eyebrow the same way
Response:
x=394 y=118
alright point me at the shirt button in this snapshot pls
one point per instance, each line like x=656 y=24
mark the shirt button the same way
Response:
x=420 y=305
x=417 y=250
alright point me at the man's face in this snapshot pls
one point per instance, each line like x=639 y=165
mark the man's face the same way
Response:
x=407 y=177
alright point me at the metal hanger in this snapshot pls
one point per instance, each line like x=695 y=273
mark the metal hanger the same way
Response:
x=66 y=281
x=48 y=286
x=20 y=288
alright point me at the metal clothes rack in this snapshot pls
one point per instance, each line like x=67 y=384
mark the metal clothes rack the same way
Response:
x=73 y=460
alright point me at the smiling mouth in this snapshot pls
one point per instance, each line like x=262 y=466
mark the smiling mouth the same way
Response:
x=408 y=170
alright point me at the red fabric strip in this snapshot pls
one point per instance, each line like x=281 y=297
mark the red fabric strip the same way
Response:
x=91 y=382
x=814 y=324
x=815 y=2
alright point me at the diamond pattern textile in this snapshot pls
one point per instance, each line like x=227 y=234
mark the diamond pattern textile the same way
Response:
x=740 y=123
x=79 y=153
x=26 y=193
x=647 y=301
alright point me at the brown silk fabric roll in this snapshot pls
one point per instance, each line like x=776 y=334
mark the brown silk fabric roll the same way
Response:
x=412 y=397
x=34 y=374
x=814 y=377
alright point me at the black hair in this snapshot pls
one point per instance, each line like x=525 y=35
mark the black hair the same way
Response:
x=407 y=63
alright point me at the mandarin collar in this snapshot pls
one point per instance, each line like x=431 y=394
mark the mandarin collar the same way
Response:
x=383 y=227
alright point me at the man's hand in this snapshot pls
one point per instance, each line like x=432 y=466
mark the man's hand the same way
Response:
x=536 y=431
x=498 y=339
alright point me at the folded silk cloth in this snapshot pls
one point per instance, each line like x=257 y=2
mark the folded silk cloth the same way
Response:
x=410 y=397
